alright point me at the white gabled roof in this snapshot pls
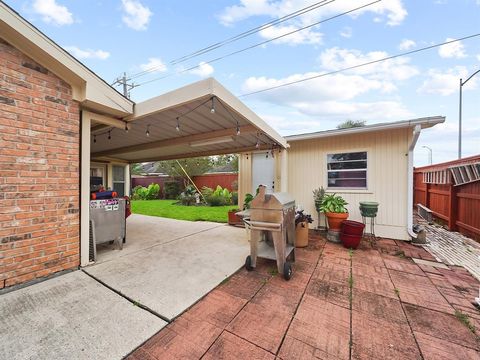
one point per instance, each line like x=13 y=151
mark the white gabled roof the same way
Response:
x=425 y=122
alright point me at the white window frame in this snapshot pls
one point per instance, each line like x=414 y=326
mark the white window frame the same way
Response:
x=348 y=189
x=104 y=171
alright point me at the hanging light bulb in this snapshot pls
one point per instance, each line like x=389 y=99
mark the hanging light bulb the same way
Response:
x=212 y=109
x=238 y=129
x=178 y=125
x=109 y=135
x=247 y=156
x=257 y=145
x=266 y=155
x=126 y=127
x=94 y=138
x=148 y=130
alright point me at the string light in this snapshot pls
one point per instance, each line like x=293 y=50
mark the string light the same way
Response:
x=126 y=127
x=109 y=134
x=266 y=155
x=148 y=130
x=94 y=138
x=238 y=129
x=212 y=109
x=257 y=145
x=178 y=124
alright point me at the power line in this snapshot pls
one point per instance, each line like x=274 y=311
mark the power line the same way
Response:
x=259 y=44
x=239 y=36
x=359 y=65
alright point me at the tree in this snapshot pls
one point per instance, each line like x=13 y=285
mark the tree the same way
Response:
x=351 y=124
x=136 y=169
x=223 y=160
x=192 y=166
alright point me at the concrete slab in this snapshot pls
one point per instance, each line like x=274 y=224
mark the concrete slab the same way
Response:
x=175 y=273
x=71 y=317
x=145 y=231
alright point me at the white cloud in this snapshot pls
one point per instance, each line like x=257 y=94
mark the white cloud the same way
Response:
x=154 y=65
x=137 y=16
x=407 y=44
x=452 y=50
x=52 y=12
x=203 y=70
x=346 y=32
x=478 y=56
x=446 y=82
x=392 y=10
x=396 y=69
x=87 y=53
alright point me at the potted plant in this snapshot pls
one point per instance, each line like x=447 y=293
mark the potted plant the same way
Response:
x=301 y=228
x=318 y=195
x=334 y=208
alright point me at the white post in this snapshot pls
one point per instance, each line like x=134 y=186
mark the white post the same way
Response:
x=85 y=190
x=284 y=171
x=127 y=180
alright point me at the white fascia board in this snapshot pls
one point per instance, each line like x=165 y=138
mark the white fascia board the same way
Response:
x=426 y=122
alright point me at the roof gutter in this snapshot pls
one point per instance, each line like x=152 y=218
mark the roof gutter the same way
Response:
x=416 y=133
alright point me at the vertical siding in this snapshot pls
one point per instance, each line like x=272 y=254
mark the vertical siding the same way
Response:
x=387 y=175
x=244 y=176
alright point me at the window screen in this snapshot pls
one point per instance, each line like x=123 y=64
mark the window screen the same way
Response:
x=119 y=180
x=347 y=170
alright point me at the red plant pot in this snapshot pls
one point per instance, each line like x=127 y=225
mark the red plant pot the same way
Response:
x=350 y=227
x=350 y=241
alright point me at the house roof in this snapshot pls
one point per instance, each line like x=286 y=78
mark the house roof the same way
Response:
x=423 y=122
x=87 y=87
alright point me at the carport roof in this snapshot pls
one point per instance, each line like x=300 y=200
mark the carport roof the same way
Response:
x=201 y=132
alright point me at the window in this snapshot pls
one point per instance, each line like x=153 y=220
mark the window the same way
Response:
x=118 y=178
x=97 y=177
x=347 y=170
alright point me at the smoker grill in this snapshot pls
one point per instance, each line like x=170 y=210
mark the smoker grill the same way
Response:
x=107 y=223
x=272 y=230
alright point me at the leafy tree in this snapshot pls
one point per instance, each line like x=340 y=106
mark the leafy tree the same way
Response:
x=136 y=169
x=223 y=160
x=192 y=166
x=351 y=124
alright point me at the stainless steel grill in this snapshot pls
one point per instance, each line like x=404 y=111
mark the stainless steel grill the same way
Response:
x=272 y=230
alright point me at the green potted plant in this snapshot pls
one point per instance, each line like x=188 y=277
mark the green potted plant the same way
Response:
x=318 y=195
x=334 y=208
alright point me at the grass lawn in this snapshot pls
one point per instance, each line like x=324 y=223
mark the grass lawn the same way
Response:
x=168 y=209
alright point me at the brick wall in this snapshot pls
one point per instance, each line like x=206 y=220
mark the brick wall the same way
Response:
x=39 y=171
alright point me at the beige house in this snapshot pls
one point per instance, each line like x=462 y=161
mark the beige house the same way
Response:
x=370 y=163
x=61 y=125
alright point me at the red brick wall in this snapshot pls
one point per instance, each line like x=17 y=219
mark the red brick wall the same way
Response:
x=39 y=171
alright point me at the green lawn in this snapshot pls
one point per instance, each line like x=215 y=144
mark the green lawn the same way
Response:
x=168 y=209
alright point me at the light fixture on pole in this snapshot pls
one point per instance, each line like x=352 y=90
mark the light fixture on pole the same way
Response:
x=430 y=158
x=460 y=114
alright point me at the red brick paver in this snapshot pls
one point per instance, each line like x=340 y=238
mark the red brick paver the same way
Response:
x=372 y=303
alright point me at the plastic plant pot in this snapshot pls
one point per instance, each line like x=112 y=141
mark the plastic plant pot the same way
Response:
x=369 y=208
x=350 y=241
x=350 y=227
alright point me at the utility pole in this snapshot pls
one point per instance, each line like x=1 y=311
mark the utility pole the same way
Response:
x=124 y=81
x=460 y=114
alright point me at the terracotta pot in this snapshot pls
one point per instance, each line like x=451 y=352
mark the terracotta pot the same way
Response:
x=301 y=234
x=234 y=219
x=335 y=220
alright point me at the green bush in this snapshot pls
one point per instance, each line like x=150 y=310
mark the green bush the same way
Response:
x=234 y=198
x=172 y=190
x=217 y=197
x=146 y=193
x=188 y=196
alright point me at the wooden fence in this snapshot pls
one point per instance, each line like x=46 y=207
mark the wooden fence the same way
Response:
x=458 y=206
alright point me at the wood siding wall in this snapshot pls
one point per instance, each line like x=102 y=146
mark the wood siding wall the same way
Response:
x=387 y=175
x=458 y=206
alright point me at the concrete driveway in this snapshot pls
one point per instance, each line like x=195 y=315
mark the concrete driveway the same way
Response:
x=165 y=266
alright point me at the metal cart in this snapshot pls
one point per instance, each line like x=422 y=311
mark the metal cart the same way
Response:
x=107 y=223
x=272 y=230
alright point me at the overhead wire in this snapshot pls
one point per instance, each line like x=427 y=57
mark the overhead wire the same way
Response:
x=258 y=44
x=360 y=65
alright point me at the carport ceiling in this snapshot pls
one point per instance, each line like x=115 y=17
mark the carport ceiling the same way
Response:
x=155 y=133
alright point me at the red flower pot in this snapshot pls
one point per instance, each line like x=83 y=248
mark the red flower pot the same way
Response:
x=350 y=227
x=350 y=241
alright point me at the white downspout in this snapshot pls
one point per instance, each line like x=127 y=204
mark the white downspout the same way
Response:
x=416 y=134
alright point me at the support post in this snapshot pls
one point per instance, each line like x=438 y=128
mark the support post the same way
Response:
x=85 y=190
x=284 y=171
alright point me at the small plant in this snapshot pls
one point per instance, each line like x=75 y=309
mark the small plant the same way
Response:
x=273 y=271
x=247 y=201
x=350 y=281
x=318 y=195
x=333 y=203
x=465 y=320
x=400 y=254
x=397 y=291
x=189 y=196
x=301 y=217
x=350 y=252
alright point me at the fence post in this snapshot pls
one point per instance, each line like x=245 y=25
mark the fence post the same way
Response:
x=453 y=207
x=427 y=195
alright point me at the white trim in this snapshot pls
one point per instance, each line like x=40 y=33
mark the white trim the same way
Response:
x=416 y=134
x=349 y=190
x=85 y=191
x=423 y=122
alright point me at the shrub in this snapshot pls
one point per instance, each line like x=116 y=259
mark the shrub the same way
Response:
x=189 y=196
x=216 y=200
x=146 y=193
x=234 y=197
x=217 y=197
x=172 y=190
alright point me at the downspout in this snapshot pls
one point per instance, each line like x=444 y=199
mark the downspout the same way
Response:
x=416 y=134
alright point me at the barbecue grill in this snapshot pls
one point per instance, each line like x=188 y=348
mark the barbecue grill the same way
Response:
x=272 y=230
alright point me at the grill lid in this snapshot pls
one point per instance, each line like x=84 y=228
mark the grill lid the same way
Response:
x=275 y=201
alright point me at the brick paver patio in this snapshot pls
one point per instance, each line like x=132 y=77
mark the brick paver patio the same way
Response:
x=372 y=303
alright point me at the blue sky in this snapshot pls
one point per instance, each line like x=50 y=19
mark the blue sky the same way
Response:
x=113 y=36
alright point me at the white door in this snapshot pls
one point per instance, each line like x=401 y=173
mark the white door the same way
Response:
x=263 y=172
